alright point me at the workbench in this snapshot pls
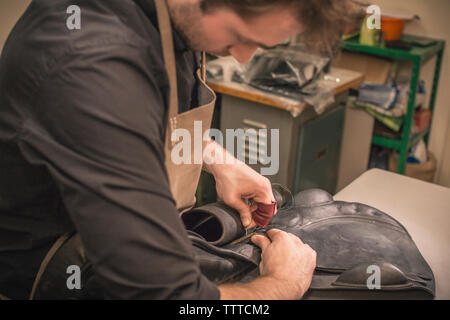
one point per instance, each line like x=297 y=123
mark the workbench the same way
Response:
x=346 y=79
x=421 y=207
x=310 y=143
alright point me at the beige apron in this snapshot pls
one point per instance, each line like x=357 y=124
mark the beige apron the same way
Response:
x=183 y=178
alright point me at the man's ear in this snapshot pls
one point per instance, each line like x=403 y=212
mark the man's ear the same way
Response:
x=357 y=13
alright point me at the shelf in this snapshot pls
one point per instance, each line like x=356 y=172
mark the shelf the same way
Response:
x=386 y=142
x=413 y=140
x=418 y=56
x=397 y=143
x=417 y=53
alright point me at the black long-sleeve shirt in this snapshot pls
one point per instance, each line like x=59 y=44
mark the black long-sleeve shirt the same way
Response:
x=82 y=125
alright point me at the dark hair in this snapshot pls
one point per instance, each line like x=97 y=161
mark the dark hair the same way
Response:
x=325 y=20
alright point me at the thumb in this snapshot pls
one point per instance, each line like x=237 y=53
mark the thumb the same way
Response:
x=261 y=241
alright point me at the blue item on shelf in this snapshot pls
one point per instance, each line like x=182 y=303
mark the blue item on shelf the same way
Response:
x=384 y=96
x=413 y=160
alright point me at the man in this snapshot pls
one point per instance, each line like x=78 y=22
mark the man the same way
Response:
x=83 y=117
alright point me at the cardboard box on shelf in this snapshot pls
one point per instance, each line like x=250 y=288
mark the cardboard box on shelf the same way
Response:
x=422 y=171
x=376 y=70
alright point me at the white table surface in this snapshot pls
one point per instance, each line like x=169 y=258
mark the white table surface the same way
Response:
x=423 y=208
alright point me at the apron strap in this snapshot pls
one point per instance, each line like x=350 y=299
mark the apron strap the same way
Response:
x=165 y=29
x=47 y=259
x=203 y=66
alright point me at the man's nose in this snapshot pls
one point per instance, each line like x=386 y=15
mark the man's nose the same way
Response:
x=242 y=52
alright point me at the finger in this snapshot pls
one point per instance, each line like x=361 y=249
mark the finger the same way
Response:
x=251 y=225
x=264 y=214
x=309 y=247
x=264 y=194
x=253 y=206
x=261 y=241
x=274 y=234
x=244 y=211
x=296 y=239
x=300 y=240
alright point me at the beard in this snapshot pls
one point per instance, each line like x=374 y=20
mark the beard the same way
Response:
x=186 y=18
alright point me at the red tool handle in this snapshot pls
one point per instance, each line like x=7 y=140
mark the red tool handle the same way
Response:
x=264 y=214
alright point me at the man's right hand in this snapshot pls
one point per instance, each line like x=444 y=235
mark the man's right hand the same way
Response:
x=287 y=259
x=286 y=269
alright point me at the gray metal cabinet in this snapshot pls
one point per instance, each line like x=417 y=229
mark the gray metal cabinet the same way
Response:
x=318 y=152
x=309 y=145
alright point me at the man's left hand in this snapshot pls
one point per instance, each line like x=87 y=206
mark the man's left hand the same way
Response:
x=236 y=181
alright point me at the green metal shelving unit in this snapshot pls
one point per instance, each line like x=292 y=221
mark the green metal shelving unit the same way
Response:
x=418 y=56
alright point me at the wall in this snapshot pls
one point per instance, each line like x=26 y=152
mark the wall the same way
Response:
x=444 y=174
x=435 y=22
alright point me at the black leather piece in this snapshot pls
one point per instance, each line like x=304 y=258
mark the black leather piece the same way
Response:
x=282 y=195
x=348 y=239
x=219 y=224
x=224 y=265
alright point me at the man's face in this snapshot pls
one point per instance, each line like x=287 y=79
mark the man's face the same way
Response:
x=224 y=33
